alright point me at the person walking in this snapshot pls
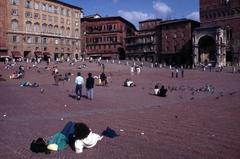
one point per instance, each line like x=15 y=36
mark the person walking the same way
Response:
x=79 y=81
x=176 y=72
x=89 y=86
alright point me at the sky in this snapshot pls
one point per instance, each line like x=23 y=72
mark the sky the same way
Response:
x=139 y=10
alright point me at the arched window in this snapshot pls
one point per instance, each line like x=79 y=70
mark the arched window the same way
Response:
x=68 y=31
x=28 y=26
x=50 y=29
x=44 y=28
x=56 y=29
x=28 y=4
x=76 y=33
x=62 y=30
x=14 y=24
x=36 y=27
x=14 y=2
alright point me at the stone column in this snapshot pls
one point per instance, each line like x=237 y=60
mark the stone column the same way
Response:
x=195 y=49
x=218 y=55
x=218 y=48
x=195 y=54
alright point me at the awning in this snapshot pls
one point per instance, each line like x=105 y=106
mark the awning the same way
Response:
x=3 y=54
x=46 y=54
x=16 y=54
x=38 y=53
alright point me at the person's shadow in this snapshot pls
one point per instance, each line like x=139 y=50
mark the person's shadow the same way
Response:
x=75 y=97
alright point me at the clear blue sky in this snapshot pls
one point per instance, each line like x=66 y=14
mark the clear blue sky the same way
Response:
x=138 y=10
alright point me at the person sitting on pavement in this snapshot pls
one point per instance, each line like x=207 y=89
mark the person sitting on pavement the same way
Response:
x=55 y=70
x=162 y=92
x=103 y=78
x=129 y=83
x=156 y=89
x=16 y=75
x=21 y=70
x=57 y=78
x=66 y=76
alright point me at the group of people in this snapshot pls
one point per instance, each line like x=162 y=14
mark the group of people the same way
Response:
x=177 y=72
x=18 y=74
x=160 y=90
x=79 y=81
x=136 y=69
x=74 y=134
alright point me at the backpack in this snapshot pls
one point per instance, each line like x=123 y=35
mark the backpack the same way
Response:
x=39 y=146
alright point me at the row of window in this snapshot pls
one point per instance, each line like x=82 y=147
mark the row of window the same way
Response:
x=43 y=40
x=149 y=25
x=49 y=18
x=141 y=49
x=142 y=40
x=46 y=7
x=104 y=27
x=101 y=47
x=175 y=35
x=218 y=14
x=44 y=28
x=14 y=12
x=101 y=39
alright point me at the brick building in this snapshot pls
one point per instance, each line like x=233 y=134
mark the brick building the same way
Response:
x=175 y=41
x=143 y=44
x=164 y=41
x=105 y=36
x=3 y=28
x=43 y=28
x=218 y=38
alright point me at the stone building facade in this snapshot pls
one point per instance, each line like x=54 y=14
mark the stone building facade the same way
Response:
x=143 y=44
x=218 y=38
x=175 y=41
x=43 y=28
x=3 y=28
x=105 y=36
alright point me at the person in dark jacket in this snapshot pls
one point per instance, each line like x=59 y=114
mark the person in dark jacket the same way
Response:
x=103 y=78
x=162 y=92
x=89 y=86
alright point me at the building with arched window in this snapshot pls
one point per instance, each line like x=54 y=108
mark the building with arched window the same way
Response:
x=217 y=40
x=40 y=29
x=105 y=36
x=3 y=29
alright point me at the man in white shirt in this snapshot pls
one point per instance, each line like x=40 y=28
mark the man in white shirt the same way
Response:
x=79 y=84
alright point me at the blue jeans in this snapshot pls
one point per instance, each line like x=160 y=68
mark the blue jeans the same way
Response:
x=78 y=90
x=90 y=93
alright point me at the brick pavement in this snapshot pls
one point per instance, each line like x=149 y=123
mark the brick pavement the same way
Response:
x=182 y=125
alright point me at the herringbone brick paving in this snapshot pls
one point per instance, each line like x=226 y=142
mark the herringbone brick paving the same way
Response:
x=181 y=126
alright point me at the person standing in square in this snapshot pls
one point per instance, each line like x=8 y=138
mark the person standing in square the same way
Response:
x=89 y=86
x=79 y=81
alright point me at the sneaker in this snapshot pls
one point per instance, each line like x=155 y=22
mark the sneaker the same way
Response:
x=78 y=97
